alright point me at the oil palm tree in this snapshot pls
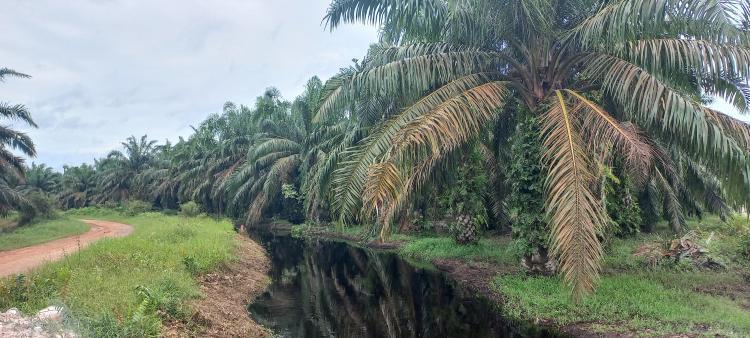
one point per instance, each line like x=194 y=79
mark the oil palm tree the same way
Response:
x=12 y=165
x=290 y=149
x=41 y=178
x=606 y=79
x=78 y=186
x=121 y=172
x=274 y=157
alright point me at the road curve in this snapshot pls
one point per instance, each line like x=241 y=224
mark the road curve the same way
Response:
x=25 y=259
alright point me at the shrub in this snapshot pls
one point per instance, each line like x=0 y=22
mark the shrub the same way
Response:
x=526 y=183
x=40 y=206
x=135 y=207
x=111 y=205
x=170 y=212
x=190 y=209
x=191 y=265
x=745 y=245
x=464 y=230
x=622 y=207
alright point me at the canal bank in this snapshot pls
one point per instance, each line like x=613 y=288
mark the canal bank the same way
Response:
x=323 y=288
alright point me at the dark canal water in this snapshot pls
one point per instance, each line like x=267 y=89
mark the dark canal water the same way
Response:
x=332 y=289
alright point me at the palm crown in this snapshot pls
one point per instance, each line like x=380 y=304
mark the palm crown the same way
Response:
x=12 y=165
x=607 y=80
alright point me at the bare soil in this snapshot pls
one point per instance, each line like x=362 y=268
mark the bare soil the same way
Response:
x=25 y=259
x=222 y=312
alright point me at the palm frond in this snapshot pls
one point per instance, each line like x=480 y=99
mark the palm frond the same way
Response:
x=576 y=214
x=610 y=136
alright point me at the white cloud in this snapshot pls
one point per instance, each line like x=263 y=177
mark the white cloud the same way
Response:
x=103 y=70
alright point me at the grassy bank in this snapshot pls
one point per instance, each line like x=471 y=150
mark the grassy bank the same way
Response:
x=41 y=232
x=633 y=297
x=128 y=286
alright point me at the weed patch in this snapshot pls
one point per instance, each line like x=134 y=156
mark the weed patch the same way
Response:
x=41 y=232
x=128 y=286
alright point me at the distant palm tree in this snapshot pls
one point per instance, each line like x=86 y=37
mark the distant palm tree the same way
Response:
x=78 y=186
x=291 y=150
x=41 y=178
x=606 y=79
x=12 y=165
x=121 y=170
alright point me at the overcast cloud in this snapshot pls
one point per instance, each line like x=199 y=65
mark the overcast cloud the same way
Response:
x=105 y=69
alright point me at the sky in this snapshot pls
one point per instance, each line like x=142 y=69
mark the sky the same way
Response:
x=103 y=70
x=107 y=69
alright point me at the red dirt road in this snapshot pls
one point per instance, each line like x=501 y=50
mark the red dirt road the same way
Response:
x=25 y=259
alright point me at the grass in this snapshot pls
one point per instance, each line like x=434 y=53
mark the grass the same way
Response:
x=493 y=250
x=632 y=297
x=127 y=286
x=644 y=300
x=41 y=232
x=626 y=301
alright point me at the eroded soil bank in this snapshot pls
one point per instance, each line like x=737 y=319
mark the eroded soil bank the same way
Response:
x=226 y=292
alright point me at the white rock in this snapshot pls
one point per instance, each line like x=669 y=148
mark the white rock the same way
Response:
x=49 y=313
x=13 y=312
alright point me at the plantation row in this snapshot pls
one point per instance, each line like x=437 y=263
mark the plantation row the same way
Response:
x=564 y=123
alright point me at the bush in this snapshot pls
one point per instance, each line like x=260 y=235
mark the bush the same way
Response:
x=135 y=207
x=621 y=203
x=111 y=205
x=170 y=212
x=745 y=245
x=526 y=183
x=464 y=230
x=41 y=206
x=190 y=209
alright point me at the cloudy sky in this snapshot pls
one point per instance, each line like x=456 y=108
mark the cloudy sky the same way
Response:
x=105 y=69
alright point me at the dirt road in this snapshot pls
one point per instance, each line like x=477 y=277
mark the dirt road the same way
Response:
x=25 y=259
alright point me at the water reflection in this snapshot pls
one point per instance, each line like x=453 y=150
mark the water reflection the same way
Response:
x=329 y=289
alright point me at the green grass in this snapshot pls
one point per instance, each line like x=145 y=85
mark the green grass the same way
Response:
x=644 y=300
x=634 y=302
x=41 y=232
x=127 y=286
x=492 y=250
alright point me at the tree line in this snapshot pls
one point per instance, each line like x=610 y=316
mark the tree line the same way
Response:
x=562 y=122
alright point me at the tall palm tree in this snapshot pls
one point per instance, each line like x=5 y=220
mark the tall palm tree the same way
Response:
x=287 y=151
x=606 y=79
x=12 y=165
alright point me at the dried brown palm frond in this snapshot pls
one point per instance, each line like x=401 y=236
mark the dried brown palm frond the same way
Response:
x=610 y=136
x=576 y=213
x=255 y=212
x=452 y=122
x=381 y=189
x=349 y=179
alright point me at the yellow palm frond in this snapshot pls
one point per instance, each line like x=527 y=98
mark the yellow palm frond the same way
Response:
x=381 y=189
x=576 y=214
x=452 y=122
x=612 y=136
